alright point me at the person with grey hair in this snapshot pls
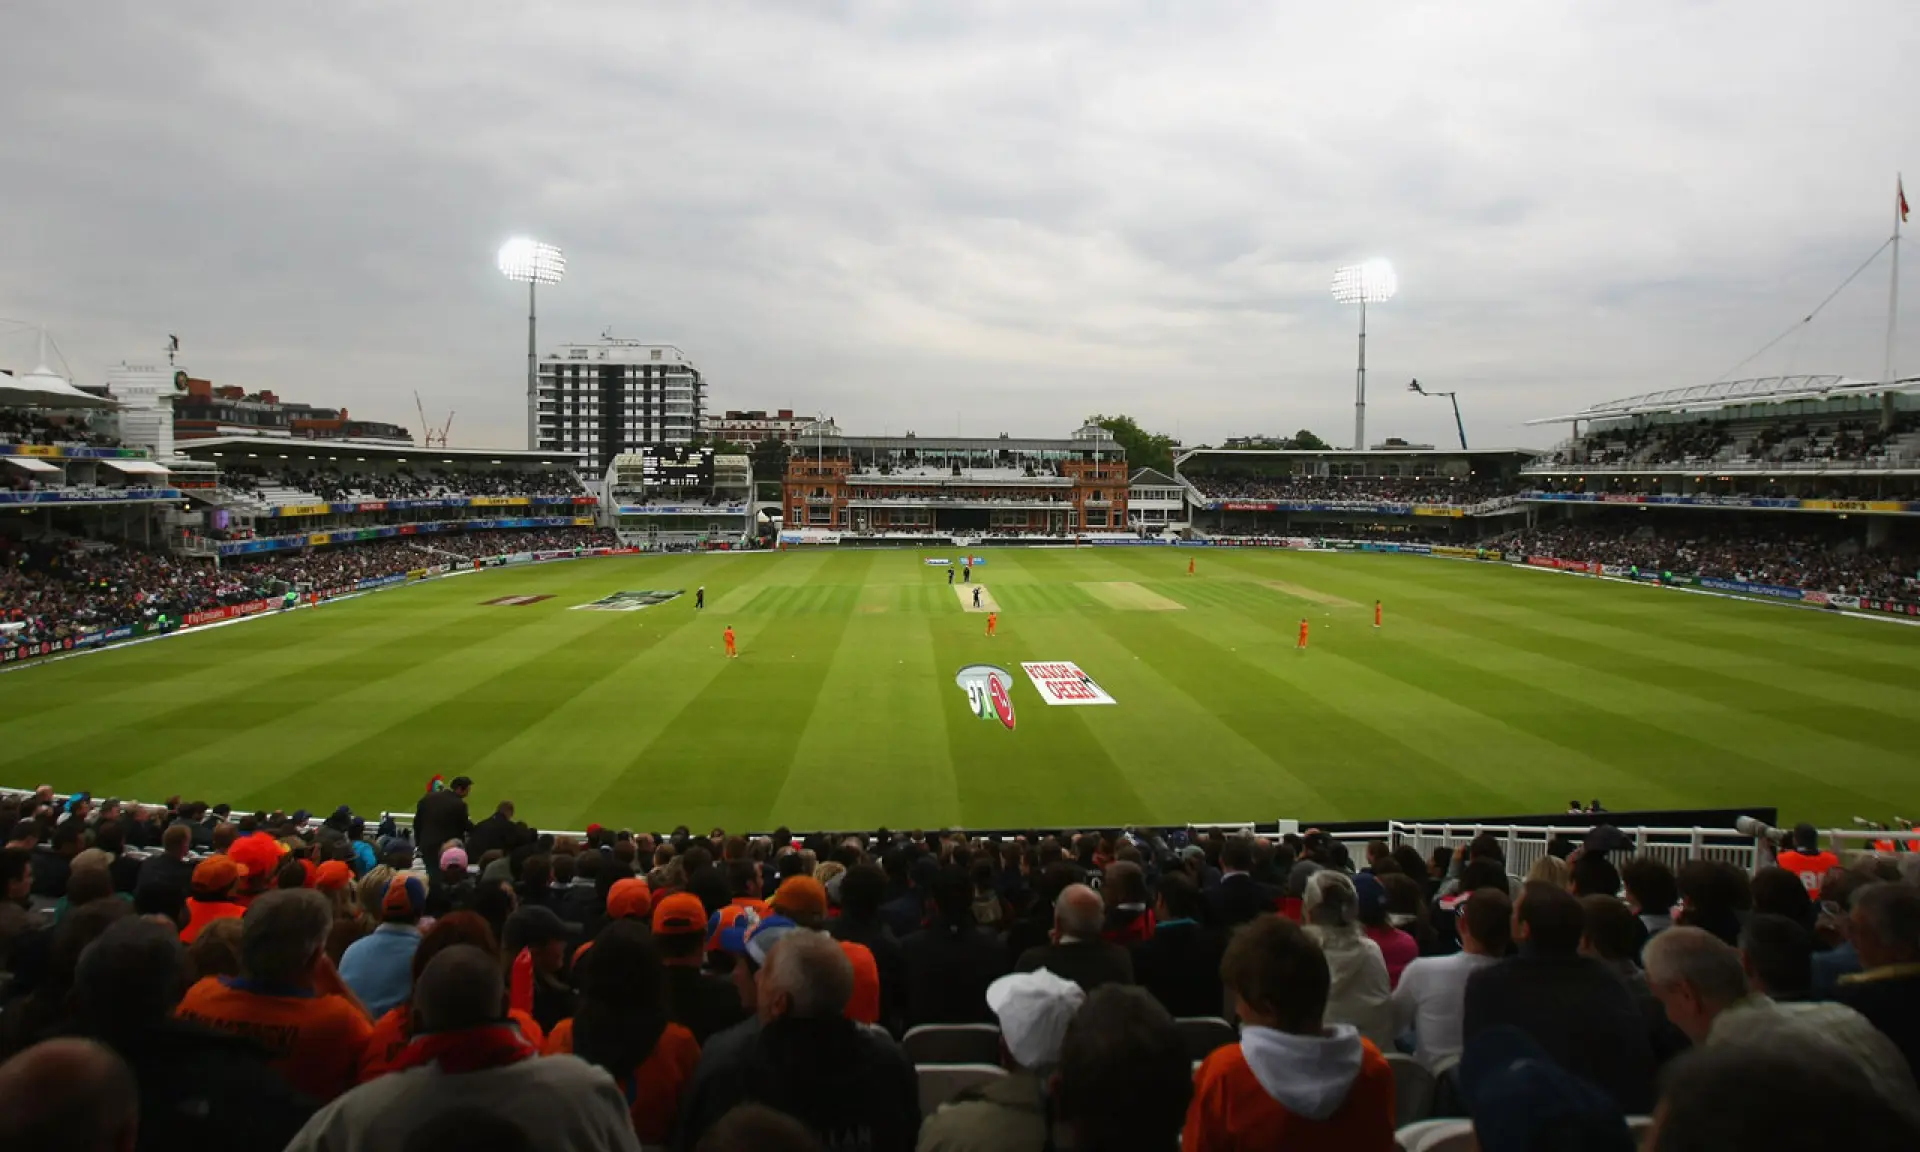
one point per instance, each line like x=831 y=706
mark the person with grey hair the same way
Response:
x=198 y=1088
x=68 y=1095
x=849 y=1084
x=1077 y=950
x=288 y=998
x=466 y=1056
x=1362 y=993
x=1702 y=983
x=1034 y=1010
x=1886 y=933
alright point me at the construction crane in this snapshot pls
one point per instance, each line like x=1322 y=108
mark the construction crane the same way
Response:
x=433 y=438
x=1458 y=424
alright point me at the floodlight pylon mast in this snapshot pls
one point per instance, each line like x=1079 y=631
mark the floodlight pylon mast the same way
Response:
x=1360 y=385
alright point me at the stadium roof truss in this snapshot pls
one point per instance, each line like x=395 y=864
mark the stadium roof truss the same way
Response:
x=1731 y=393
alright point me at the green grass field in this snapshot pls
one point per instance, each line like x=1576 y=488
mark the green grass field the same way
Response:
x=1489 y=690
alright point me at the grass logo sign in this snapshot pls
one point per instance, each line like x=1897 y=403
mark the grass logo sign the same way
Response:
x=989 y=691
x=629 y=601
x=1062 y=682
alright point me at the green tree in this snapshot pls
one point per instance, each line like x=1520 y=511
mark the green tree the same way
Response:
x=1306 y=441
x=770 y=459
x=1144 y=449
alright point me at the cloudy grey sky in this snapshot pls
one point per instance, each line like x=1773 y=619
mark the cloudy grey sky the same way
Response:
x=997 y=216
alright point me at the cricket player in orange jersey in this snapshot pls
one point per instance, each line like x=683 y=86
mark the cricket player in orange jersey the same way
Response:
x=731 y=652
x=1301 y=646
x=1376 y=613
x=993 y=623
x=1189 y=565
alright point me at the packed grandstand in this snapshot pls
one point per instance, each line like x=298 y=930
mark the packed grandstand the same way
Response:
x=285 y=980
x=893 y=990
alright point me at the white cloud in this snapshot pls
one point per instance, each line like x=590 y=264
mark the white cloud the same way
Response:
x=1006 y=215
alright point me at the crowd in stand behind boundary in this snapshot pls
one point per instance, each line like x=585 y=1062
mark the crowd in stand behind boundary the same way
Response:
x=183 y=976
x=61 y=589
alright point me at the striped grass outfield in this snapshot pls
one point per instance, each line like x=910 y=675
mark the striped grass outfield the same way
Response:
x=1489 y=690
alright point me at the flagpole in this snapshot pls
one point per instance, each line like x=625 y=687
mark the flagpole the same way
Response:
x=1893 y=307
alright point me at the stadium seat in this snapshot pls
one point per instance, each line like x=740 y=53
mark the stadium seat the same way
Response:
x=1436 y=1136
x=1412 y=1088
x=940 y=1083
x=1205 y=1033
x=952 y=1044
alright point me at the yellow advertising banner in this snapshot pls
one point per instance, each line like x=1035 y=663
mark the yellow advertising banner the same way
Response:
x=302 y=510
x=583 y=521
x=1454 y=513
x=47 y=450
x=497 y=501
x=1853 y=506
x=320 y=538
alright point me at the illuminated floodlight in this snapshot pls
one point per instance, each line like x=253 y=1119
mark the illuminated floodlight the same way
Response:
x=532 y=262
x=1369 y=283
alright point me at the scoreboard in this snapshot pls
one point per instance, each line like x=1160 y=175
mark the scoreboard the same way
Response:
x=677 y=467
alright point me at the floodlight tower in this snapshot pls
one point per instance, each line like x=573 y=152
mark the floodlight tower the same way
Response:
x=535 y=263
x=1363 y=284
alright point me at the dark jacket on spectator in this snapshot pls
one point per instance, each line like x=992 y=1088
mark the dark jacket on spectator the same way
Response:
x=887 y=958
x=1128 y=925
x=702 y=1003
x=439 y=817
x=163 y=871
x=948 y=968
x=1239 y=898
x=496 y=831
x=1579 y=1011
x=1891 y=1003
x=905 y=914
x=850 y=1085
x=1180 y=965
x=1088 y=963
x=201 y=1089
x=50 y=872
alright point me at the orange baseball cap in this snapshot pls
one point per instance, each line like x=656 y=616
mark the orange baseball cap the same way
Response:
x=630 y=897
x=800 y=896
x=863 y=1007
x=679 y=913
x=217 y=874
x=332 y=876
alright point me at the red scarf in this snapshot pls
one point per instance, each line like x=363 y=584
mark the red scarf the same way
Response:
x=468 y=1050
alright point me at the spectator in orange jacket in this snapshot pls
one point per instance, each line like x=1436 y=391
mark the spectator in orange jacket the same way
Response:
x=211 y=897
x=1292 y=1082
x=393 y=1031
x=622 y=1026
x=289 y=998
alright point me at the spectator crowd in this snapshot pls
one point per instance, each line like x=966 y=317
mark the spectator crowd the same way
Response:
x=1351 y=489
x=52 y=590
x=404 y=483
x=186 y=976
x=1706 y=441
x=1757 y=550
x=26 y=426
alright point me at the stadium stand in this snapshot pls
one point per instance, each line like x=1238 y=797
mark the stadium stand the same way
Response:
x=1789 y=552
x=61 y=589
x=1355 y=489
x=828 y=1032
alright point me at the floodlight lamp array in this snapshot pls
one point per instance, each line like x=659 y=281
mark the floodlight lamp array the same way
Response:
x=1368 y=283
x=530 y=261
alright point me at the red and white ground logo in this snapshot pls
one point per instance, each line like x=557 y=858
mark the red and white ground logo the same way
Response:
x=1062 y=682
x=988 y=689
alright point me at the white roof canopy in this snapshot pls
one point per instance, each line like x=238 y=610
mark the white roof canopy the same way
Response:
x=137 y=467
x=44 y=388
x=28 y=463
x=1732 y=393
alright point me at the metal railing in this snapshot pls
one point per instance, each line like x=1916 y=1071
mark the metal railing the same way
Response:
x=1523 y=844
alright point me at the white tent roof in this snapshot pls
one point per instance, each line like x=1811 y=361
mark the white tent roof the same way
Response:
x=136 y=467
x=45 y=388
x=28 y=463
